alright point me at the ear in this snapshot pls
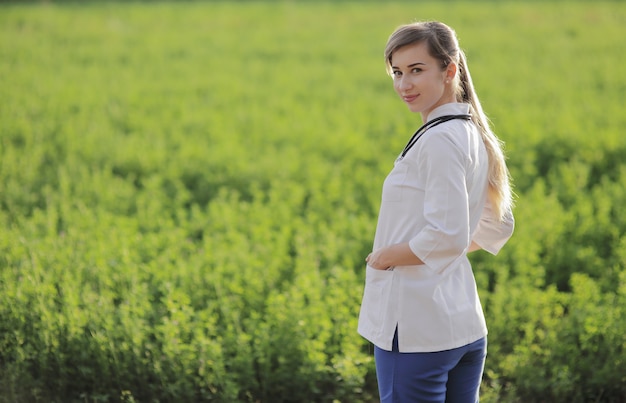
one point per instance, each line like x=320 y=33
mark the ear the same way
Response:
x=451 y=71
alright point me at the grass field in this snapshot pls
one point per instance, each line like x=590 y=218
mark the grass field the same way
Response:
x=188 y=191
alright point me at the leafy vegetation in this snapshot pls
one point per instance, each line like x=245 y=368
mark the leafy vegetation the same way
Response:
x=188 y=191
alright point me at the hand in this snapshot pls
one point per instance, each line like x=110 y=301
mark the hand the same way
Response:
x=375 y=260
x=391 y=256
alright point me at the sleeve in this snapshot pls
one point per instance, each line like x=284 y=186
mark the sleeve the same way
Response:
x=446 y=234
x=491 y=233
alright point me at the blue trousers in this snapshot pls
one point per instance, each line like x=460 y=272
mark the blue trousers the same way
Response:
x=451 y=376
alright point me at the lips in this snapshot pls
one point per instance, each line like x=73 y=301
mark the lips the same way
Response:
x=409 y=98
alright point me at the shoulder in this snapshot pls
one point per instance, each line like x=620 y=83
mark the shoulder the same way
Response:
x=447 y=137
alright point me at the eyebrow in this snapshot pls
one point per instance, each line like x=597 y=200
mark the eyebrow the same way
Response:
x=410 y=65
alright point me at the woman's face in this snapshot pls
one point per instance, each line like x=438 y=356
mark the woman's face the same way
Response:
x=419 y=80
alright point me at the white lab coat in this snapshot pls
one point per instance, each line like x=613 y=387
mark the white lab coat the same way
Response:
x=436 y=199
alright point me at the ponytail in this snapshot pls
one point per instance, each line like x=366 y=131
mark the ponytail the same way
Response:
x=499 y=192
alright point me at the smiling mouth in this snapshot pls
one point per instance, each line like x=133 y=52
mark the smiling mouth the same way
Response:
x=409 y=98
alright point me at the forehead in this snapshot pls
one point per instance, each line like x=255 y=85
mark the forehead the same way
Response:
x=411 y=54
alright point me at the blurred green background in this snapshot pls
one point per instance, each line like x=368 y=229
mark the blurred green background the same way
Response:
x=188 y=191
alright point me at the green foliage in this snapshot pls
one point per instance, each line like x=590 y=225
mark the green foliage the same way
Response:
x=188 y=191
x=572 y=346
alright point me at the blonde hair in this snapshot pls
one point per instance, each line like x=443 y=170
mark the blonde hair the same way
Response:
x=443 y=45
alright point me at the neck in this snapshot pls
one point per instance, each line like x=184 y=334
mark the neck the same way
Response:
x=448 y=97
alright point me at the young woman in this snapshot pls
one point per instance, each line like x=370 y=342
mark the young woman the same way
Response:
x=447 y=194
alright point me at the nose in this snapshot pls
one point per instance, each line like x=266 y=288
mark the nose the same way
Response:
x=404 y=83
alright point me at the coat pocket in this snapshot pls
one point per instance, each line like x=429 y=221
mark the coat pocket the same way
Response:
x=376 y=296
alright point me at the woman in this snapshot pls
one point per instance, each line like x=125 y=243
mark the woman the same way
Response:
x=447 y=194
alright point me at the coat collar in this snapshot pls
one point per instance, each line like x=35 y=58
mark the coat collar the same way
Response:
x=453 y=108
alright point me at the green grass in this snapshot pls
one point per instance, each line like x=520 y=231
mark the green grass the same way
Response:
x=188 y=190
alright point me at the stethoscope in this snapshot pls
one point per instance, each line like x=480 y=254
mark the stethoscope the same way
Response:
x=428 y=125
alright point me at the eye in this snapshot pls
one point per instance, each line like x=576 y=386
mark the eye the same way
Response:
x=396 y=73
x=416 y=70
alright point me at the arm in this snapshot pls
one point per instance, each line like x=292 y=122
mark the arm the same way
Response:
x=445 y=234
x=492 y=233
x=399 y=255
